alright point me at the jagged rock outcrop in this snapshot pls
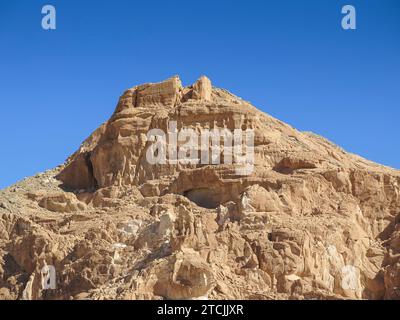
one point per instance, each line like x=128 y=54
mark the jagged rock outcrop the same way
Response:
x=309 y=220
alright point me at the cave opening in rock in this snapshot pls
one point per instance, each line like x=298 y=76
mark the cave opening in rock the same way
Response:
x=94 y=185
x=203 y=197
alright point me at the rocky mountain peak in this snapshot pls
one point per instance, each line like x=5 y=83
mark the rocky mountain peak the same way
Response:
x=309 y=221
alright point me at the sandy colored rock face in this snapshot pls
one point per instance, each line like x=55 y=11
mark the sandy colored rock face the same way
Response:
x=310 y=222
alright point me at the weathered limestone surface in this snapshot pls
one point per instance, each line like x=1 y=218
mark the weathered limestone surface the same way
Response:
x=311 y=221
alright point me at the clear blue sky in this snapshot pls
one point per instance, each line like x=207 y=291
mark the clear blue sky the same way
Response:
x=290 y=58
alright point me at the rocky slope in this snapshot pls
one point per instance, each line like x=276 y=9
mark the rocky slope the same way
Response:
x=310 y=222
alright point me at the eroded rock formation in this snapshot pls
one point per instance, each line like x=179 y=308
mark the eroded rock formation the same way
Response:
x=310 y=221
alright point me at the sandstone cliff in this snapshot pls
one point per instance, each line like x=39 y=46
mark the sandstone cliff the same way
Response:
x=310 y=222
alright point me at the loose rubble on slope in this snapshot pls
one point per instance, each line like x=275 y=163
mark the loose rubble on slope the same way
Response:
x=311 y=221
